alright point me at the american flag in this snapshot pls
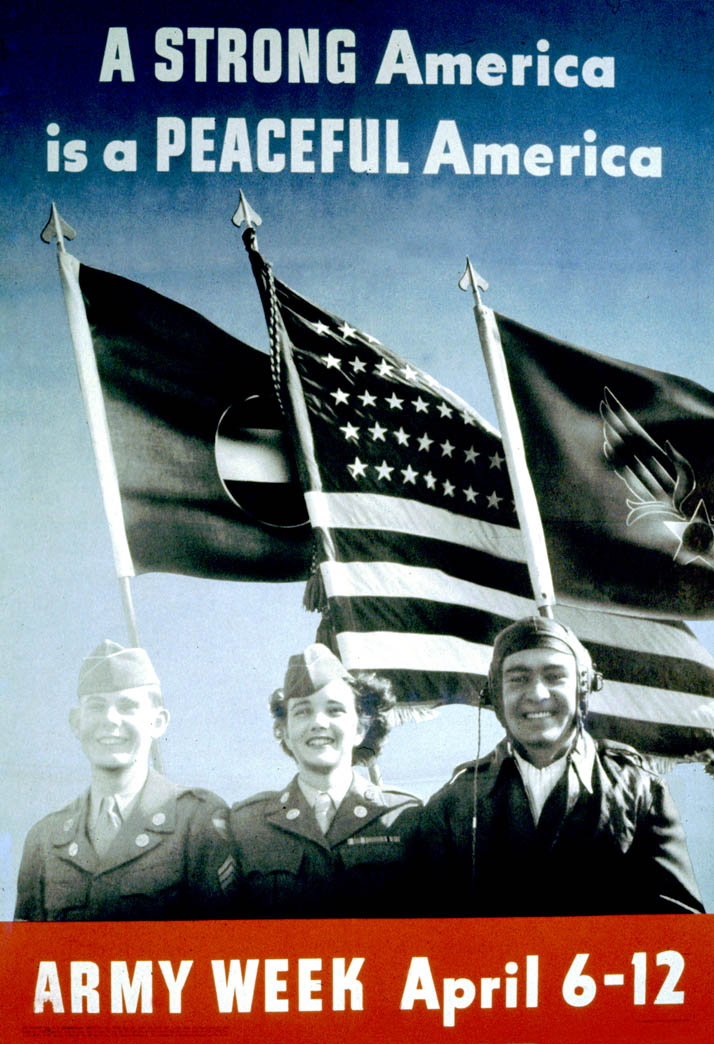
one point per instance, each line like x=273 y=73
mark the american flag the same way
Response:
x=421 y=557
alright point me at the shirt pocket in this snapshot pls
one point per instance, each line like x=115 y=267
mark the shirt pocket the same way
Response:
x=270 y=855
x=65 y=891
x=365 y=849
x=150 y=877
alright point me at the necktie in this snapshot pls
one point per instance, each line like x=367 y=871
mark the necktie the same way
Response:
x=107 y=826
x=324 y=810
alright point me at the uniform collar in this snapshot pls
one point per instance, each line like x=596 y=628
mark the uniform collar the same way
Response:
x=152 y=815
x=337 y=794
x=581 y=759
x=291 y=811
x=124 y=800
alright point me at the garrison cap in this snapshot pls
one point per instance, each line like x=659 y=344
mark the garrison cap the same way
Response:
x=311 y=670
x=111 y=668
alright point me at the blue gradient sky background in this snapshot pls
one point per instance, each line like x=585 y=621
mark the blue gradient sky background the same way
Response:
x=619 y=265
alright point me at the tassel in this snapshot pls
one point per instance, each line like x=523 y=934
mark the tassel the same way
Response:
x=315 y=597
x=404 y=712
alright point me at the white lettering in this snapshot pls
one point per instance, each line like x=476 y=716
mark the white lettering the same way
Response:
x=120 y=155
x=236 y=986
x=47 y=988
x=175 y=983
x=399 y=59
x=446 y=148
x=419 y=985
x=170 y=140
x=126 y=991
x=345 y=980
x=307 y=985
x=117 y=56
x=172 y=69
x=274 y=985
x=84 y=980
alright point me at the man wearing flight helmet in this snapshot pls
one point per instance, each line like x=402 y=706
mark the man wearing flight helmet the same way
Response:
x=552 y=822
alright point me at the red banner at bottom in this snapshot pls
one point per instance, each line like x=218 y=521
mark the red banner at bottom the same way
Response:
x=644 y=980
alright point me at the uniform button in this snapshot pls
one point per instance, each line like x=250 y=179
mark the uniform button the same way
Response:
x=371 y=794
x=292 y=813
x=73 y=848
x=158 y=819
x=67 y=825
x=360 y=811
x=142 y=840
x=284 y=797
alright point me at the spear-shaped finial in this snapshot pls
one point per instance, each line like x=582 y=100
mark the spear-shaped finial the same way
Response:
x=471 y=280
x=244 y=212
x=57 y=226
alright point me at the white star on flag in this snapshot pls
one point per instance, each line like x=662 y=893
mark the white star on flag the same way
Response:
x=384 y=471
x=409 y=474
x=350 y=431
x=377 y=432
x=357 y=469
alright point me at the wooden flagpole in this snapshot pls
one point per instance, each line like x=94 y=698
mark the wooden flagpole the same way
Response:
x=97 y=422
x=95 y=413
x=524 y=494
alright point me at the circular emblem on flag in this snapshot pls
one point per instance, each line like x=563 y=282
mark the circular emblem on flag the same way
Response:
x=255 y=465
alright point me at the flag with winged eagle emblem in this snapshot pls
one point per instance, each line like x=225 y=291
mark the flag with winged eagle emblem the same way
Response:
x=421 y=558
x=622 y=464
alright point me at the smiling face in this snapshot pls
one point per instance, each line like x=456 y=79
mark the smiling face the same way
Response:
x=116 y=729
x=539 y=702
x=322 y=730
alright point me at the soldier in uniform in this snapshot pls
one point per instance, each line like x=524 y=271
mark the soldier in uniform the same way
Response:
x=552 y=822
x=134 y=846
x=330 y=843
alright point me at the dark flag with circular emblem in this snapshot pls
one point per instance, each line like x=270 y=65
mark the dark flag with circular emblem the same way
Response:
x=207 y=485
x=254 y=461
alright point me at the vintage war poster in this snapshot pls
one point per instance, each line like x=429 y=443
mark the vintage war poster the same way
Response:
x=565 y=149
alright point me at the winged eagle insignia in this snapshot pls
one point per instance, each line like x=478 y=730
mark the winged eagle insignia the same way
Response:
x=661 y=483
